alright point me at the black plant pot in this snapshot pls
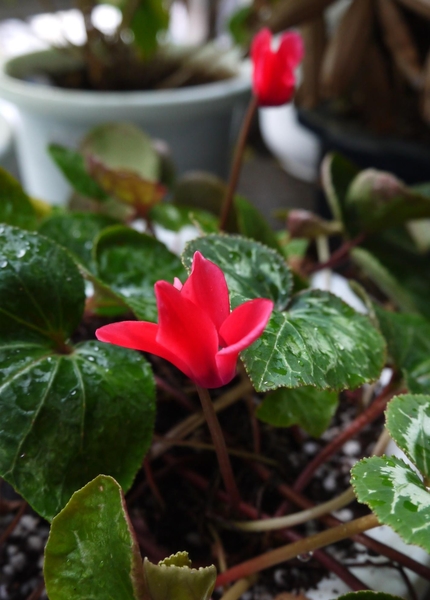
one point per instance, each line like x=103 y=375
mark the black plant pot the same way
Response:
x=407 y=159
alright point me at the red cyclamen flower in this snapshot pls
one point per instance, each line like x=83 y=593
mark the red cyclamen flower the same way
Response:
x=196 y=330
x=273 y=74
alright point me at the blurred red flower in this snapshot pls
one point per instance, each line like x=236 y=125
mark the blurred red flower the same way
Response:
x=273 y=70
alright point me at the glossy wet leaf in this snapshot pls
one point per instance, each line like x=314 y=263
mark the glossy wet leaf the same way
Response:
x=251 y=269
x=408 y=421
x=173 y=578
x=397 y=495
x=130 y=263
x=253 y=225
x=408 y=339
x=72 y=165
x=67 y=413
x=41 y=289
x=91 y=550
x=67 y=418
x=337 y=175
x=377 y=200
x=15 y=205
x=307 y=407
x=77 y=232
x=319 y=341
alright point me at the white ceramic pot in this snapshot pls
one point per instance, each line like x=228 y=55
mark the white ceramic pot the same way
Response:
x=195 y=121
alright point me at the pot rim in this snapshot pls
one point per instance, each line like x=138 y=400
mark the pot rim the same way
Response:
x=51 y=101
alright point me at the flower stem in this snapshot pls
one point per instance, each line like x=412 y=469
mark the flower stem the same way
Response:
x=220 y=447
x=190 y=424
x=237 y=162
x=299 y=517
x=368 y=416
x=304 y=546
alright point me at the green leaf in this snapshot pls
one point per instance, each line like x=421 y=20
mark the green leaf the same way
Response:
x=41 y=289
x=72 y=165
x=408 y=339
x=173 y=578
x=91 y=550
x=15 y=206
x=385 y=280
x=239 y=27
x=408 y=267
x=123 y=147
x=253 y=225
x=175 y=217
x=77 y=233
x=319 y=341
x=150 y=18
x=376 y=200
x=71 y=417
x=251 y=269
x=396 y=494
x=71 y=412
x=408 y=421
x=337 y=175
x=203 y=191
x=307 y=407
x=130 y=263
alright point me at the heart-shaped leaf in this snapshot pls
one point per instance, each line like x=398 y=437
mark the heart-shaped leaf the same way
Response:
x=319 y=341
x=408 y=339
x=71 y=412
x=251 y=269
x=307 y=407
x=123 y=147
x=397 y=496
x=130 y=263
x=77 y=232
x=408 y=421
x=91 y=550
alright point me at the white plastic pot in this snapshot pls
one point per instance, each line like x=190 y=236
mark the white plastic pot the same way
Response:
x=195 y=121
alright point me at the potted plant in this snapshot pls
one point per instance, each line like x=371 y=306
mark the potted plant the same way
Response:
x=363 y=88
x=78 y=407
x=186 y=96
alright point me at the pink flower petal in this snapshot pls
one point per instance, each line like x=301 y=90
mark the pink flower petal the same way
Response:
x=188 y=332
x=244 y=325
x=291 y=49
x=207 y=288
x=140 y=335
x=273 y=71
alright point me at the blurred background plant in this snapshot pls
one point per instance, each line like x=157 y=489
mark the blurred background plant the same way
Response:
x=132 y=33
x=366 y=60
